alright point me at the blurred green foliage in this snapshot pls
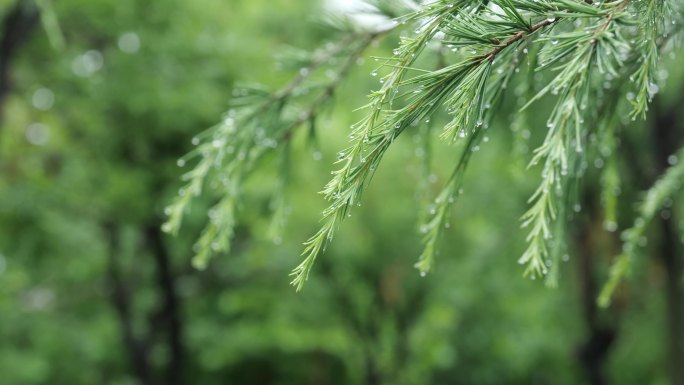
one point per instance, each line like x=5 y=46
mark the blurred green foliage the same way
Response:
x=87 y=170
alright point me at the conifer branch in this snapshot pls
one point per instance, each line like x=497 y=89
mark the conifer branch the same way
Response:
x=565 y=127
x=461 y=87
x=654 y=200
x=584 y=44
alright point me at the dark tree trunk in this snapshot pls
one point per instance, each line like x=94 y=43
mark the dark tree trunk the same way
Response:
x=170 y=311
x=672 y=264
x=17 y=26
x=667 y=139
x=136 y=347
x=593 y=352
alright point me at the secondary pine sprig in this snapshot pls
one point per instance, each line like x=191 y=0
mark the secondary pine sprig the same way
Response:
x=258 y=124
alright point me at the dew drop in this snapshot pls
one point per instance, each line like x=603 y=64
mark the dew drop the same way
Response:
x=652 y=89
x=611 y=226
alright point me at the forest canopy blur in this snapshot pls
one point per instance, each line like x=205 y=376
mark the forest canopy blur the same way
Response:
x=573 y=103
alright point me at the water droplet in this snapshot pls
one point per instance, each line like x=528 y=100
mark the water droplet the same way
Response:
x=652 y=89
x=43 y=99
x=37 y=133
x=88 y=63
x=180 y=162
x=129 y=42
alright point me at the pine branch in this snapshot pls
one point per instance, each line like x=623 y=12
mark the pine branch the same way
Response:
x=565 y=127
x=372 y=133
x=583 y=44
x=654 y=200
x=461 y=87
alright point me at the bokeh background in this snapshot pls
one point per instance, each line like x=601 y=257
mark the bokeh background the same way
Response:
x=98 y=99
